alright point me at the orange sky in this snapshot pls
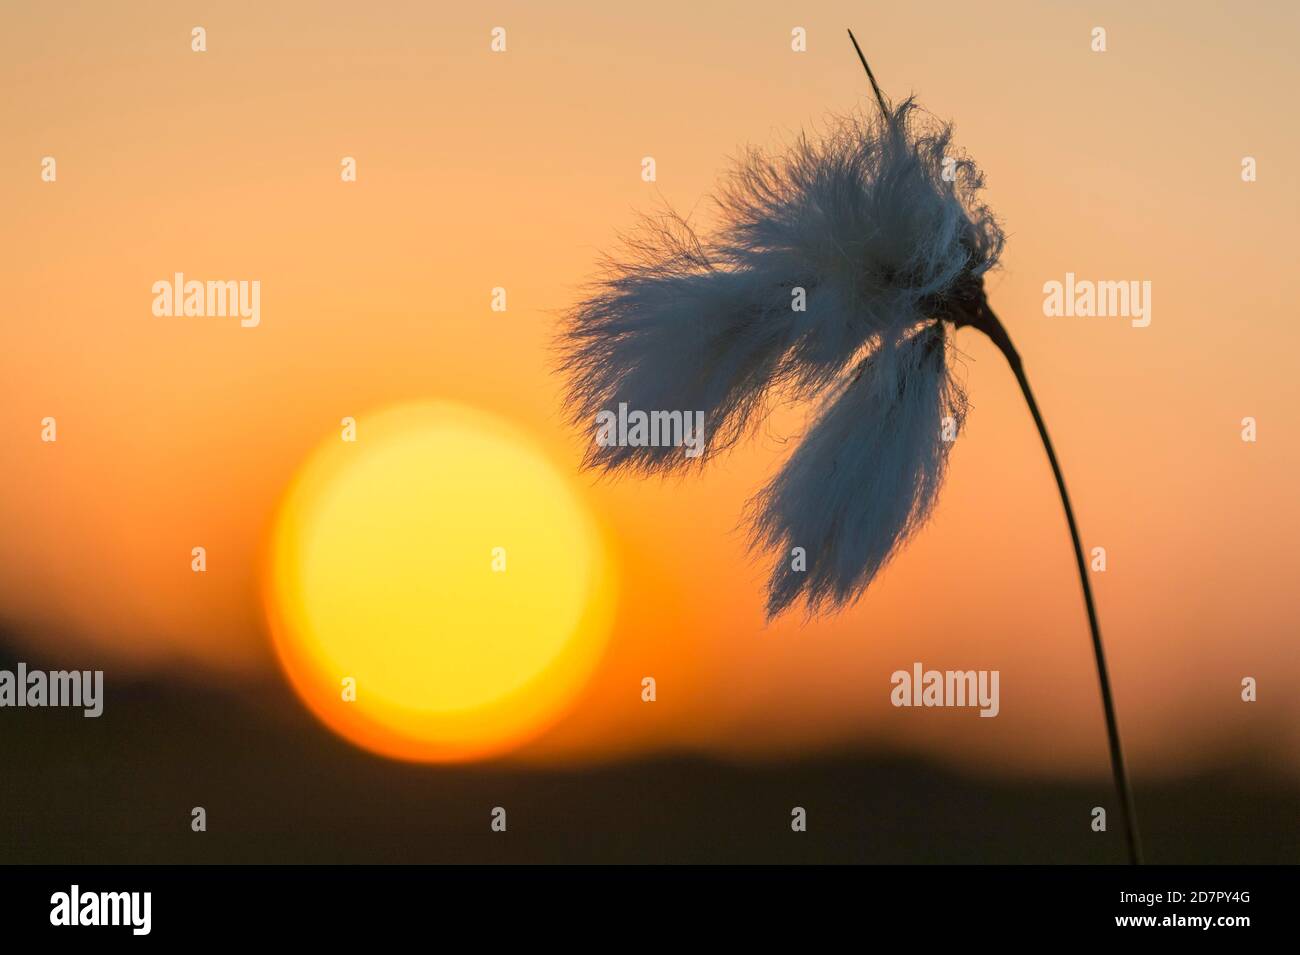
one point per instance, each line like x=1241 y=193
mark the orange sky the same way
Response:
x=479 y=170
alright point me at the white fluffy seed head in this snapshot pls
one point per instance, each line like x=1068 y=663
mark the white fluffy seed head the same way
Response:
x=880 y=223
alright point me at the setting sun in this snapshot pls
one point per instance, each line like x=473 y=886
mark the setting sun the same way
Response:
x=436 y=589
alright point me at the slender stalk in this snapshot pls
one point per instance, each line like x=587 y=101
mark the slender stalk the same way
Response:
x=989 y=323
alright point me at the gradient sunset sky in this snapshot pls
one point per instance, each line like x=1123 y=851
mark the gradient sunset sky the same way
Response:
x=478 y=170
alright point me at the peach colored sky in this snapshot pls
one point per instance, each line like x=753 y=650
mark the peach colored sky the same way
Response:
x=478 y=170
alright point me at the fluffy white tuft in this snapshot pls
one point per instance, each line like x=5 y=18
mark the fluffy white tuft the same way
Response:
x=870 y=221
x=669 y=329
x=879 y=222
x=865 y=477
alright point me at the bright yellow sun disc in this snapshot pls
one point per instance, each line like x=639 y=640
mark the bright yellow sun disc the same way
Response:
x=436 y=588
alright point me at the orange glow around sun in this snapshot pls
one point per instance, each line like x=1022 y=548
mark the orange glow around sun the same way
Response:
x=436 y=589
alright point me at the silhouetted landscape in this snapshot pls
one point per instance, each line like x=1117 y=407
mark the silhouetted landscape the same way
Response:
x=279 y=788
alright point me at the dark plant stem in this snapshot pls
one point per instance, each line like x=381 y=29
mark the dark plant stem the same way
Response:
x=988 y=322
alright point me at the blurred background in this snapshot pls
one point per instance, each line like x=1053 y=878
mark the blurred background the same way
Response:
x=478 y=169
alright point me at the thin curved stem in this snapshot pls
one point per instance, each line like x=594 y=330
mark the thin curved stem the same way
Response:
x=990 y=325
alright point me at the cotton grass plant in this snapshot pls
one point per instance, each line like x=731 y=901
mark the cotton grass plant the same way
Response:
x=879 y=225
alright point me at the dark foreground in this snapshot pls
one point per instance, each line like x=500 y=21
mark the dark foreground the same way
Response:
x=278 y=788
